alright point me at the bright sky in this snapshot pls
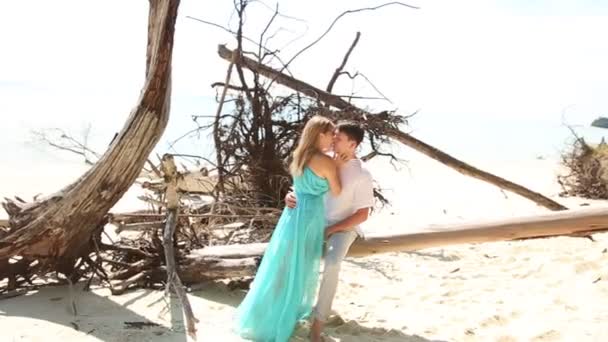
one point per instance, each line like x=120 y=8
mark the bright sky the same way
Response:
x=68 y=63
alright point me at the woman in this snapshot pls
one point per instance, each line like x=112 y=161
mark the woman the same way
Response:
x=285 y=285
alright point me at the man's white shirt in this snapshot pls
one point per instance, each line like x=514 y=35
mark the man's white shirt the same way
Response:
x=357 y=192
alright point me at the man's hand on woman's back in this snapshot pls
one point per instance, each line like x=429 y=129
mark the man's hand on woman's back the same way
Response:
x=290 y=200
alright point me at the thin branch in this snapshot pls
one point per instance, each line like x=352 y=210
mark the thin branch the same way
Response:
x=279 y=30
x=229 y=86
x=193 y=156
x=334 y=23
x=239 y=49
x=65 y=142
x=352 y=77
x=336 y=74
x=268 y=52
x=274 y=15
x=284 y=29
x=185 y=135
x=153 y=167
x=363 y=97
x=227 y=30
x=281 y=14
x=369 y=156
x=216 y=125
x=383 y=154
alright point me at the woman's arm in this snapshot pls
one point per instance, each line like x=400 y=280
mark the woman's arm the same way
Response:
x=327 y=168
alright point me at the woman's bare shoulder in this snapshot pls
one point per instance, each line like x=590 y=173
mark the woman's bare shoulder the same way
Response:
x=321 y=159
x=321 y=163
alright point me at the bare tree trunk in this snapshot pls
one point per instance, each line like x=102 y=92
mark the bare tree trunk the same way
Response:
x=396 y=134
x=570 y=222
x=551 y=224
x=58 y=229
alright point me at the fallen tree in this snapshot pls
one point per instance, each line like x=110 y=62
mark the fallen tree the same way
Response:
x=381 y=123
x=580 y=221
x=241 y=260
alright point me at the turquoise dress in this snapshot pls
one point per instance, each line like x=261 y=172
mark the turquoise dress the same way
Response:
x=285 y=285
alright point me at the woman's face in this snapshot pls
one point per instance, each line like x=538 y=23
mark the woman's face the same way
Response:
x=325 y=141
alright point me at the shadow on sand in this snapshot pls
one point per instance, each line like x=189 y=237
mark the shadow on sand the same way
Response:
x=98 y=318
x=337 y=330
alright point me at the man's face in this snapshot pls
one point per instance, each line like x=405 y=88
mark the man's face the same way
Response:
x=342 y=144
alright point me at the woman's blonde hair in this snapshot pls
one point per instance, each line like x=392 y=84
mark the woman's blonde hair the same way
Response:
x=307 y=146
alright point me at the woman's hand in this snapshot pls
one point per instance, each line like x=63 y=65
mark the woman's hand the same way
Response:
x=340 y=159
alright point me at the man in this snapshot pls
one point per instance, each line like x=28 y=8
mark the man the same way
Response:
x=344 y=214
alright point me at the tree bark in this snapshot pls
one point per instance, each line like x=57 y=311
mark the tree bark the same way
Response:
x=395 y=134
x=546 y=225
x=59 y=228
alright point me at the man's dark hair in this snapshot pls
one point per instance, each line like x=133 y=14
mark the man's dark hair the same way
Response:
x=352 y=130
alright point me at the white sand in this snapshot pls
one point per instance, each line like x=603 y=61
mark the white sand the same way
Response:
x=553 y=289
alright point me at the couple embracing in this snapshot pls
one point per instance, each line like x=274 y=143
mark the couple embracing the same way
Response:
x=332 y=197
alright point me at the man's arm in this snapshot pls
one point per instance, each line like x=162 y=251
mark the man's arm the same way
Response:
x=349 y=223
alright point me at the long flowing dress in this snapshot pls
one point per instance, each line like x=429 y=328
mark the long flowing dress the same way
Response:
x=285 y=285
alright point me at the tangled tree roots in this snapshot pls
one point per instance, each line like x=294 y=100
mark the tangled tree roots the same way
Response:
x=587 y=170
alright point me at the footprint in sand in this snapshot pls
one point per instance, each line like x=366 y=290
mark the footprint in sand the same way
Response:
x=586 y=266
x=495 y=320
x=391 y=298
x=527 y=274
x=560 y=302
x=515 y=314
x=550 y=335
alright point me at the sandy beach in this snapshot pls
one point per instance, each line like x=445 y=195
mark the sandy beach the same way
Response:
x=553 y=289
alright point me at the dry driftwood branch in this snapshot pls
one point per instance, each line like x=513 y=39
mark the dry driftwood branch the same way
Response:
x=121 y=287
x=229 y=86
x=132 y=269
x=216 y=126
x=60 y=227
x=393 y=133
x=571 y=222
x=127 y=249
x=140 y=226
x=173 y=281
x=334 y=77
